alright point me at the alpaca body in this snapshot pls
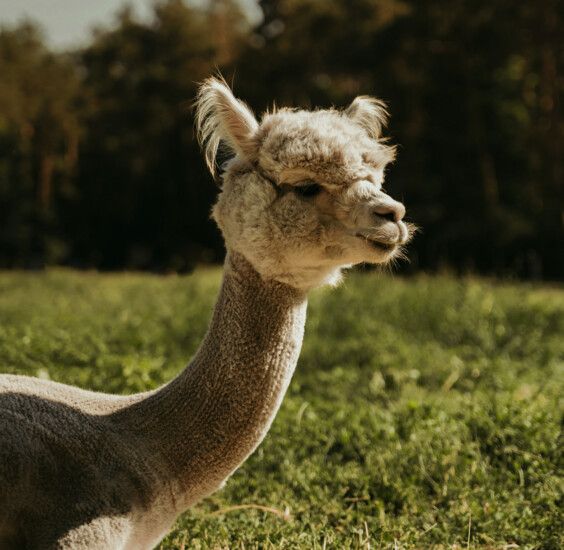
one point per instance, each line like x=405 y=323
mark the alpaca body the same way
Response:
x=70 y=476
x=300 y=199
x=80 y=469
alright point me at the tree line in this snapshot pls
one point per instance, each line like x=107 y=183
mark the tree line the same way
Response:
x=99 y=167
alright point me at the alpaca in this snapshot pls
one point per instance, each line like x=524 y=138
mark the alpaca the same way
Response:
x=300 y=200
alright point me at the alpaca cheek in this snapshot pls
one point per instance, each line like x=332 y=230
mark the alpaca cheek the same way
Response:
x=222 y=222
x=334 y=252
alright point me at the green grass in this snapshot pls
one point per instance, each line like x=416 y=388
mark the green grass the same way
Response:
x=424 y=412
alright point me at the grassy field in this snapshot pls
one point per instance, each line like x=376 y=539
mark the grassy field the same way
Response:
x=424 y=412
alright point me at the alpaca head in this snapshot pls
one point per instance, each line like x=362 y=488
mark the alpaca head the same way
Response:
x=302 y=195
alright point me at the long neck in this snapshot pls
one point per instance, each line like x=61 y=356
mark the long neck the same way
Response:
x=215 y=413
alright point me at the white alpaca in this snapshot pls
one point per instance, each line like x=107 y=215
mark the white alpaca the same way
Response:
x=301 y=199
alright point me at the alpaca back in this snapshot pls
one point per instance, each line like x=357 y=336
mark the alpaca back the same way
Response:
x=50 y=432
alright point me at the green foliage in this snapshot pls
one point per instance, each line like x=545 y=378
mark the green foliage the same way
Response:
x=39 y=132
x=141 y=169
x=113 y=177
x=424 y=412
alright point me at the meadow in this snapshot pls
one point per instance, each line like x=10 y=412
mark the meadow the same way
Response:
x=425 y=412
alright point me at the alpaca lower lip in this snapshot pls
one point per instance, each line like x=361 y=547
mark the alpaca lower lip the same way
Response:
x=379 y=245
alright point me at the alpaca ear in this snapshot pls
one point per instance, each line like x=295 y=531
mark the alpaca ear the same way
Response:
x=370 y=113
x=222 y=117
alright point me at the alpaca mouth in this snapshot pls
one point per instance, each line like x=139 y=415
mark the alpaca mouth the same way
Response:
x=378 y=245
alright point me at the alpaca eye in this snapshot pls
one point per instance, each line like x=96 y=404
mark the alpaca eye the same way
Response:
x=308 y=189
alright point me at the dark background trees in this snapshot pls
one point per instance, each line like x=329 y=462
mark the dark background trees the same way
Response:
x=99 y=166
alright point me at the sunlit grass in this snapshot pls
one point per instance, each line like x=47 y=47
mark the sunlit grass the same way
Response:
x=424 y=411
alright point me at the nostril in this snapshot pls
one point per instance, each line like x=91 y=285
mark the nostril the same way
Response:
x=390 y=216
x=386 y=214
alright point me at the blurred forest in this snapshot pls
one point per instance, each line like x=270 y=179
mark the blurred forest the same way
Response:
x=99 y=166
